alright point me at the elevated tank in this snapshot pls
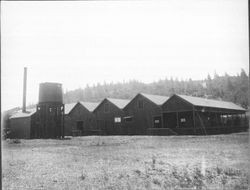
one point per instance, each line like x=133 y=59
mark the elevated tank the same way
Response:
x=50 y=93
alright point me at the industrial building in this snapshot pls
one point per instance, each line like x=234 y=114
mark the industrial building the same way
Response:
x=50 y=111
x=67 y=120
x=193 y=115
x=22 y=125
x=80 y=119
x=144 y=114
x=109 y=114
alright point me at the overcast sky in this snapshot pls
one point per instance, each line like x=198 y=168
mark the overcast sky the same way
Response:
x=83 y=42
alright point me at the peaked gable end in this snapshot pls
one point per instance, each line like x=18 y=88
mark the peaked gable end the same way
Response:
x=175 y=103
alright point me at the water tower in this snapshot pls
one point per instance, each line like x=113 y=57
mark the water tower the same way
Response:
x=50 y=111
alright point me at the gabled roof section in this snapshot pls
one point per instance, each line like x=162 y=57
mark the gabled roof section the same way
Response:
x=21 y=114
x=120 y=103
x=158 y=100
x=197 y=101
x=68 y=108
x=90 y=105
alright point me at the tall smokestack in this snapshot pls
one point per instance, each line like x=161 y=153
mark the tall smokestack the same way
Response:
x=24 y=88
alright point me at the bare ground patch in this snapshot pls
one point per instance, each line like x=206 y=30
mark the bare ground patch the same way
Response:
x=123 y=162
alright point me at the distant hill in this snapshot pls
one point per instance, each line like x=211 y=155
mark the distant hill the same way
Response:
x=229 y=88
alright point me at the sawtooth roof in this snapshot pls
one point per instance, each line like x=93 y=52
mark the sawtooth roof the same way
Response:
x=197 y=101
x=68 y=108
x=120 y=103
x=90 y=105
x=159 y=100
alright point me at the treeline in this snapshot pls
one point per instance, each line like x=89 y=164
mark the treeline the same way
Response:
x=228 y=88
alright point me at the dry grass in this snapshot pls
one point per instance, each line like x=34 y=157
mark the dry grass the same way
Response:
x=122 y=162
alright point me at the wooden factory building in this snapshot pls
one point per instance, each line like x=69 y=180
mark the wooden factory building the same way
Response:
x=109 y=114
x=68 y=123
x=144 y=114
x=23 y=124
x=194 y=115
x=80 y=120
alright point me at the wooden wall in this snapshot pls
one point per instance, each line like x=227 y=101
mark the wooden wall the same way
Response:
x=20 y=128
x=175 y=104
x=142 y=117
x=80 y=113
x=105 y=120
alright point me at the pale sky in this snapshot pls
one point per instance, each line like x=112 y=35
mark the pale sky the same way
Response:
x=85 y=42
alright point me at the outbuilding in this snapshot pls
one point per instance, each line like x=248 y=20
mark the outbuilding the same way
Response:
x=144 y=114
x=194 y=115
x=109 y=114
x=80 y=120
x=23 y=124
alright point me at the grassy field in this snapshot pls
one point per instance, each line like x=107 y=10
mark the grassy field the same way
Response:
x=124 y=162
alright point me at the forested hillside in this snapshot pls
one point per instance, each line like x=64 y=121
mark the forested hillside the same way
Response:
x=228 y=88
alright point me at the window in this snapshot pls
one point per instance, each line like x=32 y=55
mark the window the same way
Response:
x=117 y=120
x=140 y=104
x=183 y=120
x=106 y=108
x=128 y=119
x=157 y=121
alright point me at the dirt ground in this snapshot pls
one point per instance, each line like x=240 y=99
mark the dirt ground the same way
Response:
x=128 y=162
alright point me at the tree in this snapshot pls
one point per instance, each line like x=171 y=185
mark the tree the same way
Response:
x=230 y=88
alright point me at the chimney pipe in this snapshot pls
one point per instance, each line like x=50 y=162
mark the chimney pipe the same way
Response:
x=24 y=89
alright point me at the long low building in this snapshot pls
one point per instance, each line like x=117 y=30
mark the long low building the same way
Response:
x=194 y=115
x=145 y=114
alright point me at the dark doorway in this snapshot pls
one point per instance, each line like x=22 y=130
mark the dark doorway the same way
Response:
x=129 y=125
x=109 y=127
x=170 y=120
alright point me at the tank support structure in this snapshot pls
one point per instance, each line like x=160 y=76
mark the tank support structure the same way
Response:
x=50 y=120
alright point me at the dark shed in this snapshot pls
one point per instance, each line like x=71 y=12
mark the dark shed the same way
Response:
x=109 y=115
x=194 y=115
x=23 y=124
x=144 y=114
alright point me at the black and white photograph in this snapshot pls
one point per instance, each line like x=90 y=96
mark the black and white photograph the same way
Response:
x=125 y=95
